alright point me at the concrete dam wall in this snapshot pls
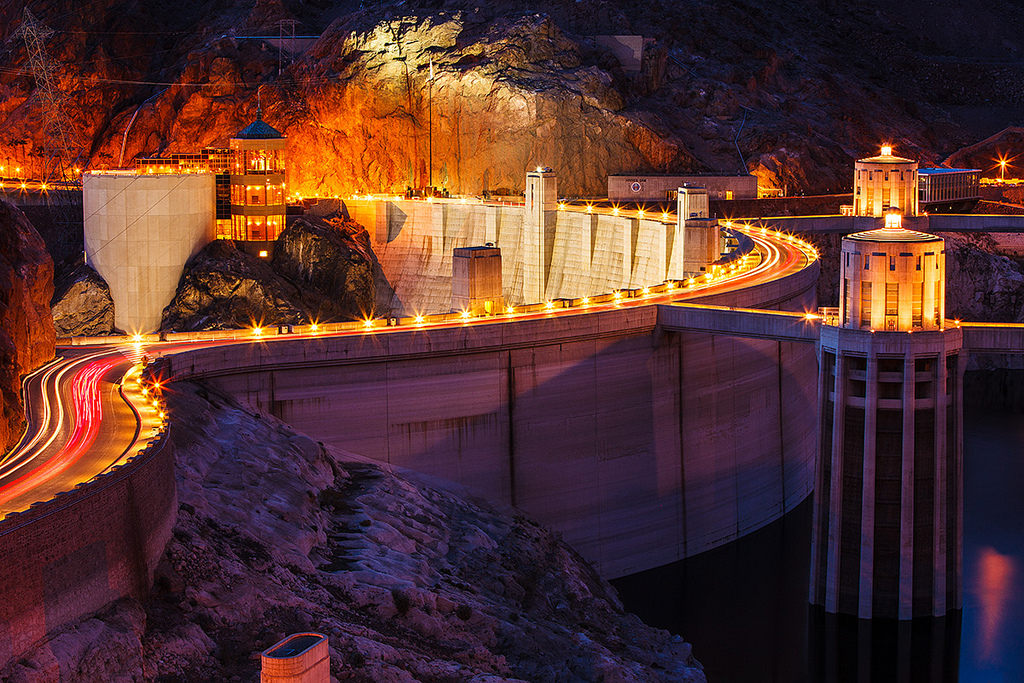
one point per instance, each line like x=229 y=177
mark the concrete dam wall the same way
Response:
x=554 y=254
x=641 y=444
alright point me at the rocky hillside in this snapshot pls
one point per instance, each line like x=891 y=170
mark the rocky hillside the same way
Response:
x=26 y=329
x=801 y=87
x=323 y=270
x=275 y=535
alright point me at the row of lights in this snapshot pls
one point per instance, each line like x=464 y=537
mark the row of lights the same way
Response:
x=718 y=273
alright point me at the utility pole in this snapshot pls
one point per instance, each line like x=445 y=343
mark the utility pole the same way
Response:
x=60 y=152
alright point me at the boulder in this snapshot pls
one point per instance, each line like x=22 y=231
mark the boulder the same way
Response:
x=323 y=270
x=331 y=258
x=224 y=288
x=81 y=304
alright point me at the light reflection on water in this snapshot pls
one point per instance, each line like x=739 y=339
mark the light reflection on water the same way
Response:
x=993 y=625
x=744 y=609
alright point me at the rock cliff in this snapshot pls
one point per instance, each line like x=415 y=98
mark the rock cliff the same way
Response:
x=26 y=328
x=81 y=305
x=276 y=534
x=801 y=87
x=322 y=271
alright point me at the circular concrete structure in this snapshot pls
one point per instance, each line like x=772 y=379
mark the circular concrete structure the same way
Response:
x=883 y=182
x=893 y=279
x=140 y=229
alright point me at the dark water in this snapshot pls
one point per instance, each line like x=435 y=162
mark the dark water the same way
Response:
x=744 y=607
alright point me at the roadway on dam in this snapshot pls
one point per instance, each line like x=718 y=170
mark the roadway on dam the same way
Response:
x=86 y=412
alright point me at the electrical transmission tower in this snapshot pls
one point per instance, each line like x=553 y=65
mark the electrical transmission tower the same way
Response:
x=61 y=150
x=284 y=27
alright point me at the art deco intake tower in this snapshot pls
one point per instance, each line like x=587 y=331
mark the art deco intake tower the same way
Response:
x=888 y=529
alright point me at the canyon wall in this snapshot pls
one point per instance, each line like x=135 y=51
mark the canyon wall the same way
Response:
x=26 y=328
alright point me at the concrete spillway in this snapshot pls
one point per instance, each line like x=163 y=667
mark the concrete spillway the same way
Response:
x=545 y=254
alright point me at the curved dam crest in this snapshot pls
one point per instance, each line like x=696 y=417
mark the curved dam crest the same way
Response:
x=642 y=437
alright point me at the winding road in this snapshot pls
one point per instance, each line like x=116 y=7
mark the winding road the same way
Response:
x=87 y=411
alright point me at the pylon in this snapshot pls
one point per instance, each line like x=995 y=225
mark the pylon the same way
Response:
x=61 y=151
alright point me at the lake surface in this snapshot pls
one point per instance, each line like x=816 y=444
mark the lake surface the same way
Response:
x=744 y=606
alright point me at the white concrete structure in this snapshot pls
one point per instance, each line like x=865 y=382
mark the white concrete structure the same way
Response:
x=893 y=279
x=538 y=231
x=139 y=232
x=696 y=240
x=547 y=251
x=884 y=182
x=476 y=280
x=888 y=531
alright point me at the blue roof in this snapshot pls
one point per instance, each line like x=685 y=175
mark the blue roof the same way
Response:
x=933 y=171
x=258 y=130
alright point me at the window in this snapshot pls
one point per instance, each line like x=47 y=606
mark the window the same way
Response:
x=892 y=293
x=892 y=263
x=918 y=308
x=865 y=304
x=845 y=313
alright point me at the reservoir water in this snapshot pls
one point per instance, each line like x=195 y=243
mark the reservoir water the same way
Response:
x=744 y=606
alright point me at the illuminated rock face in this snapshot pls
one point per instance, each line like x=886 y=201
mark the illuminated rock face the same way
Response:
x=26 y=328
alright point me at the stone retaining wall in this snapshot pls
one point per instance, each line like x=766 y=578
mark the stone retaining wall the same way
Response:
x=85 y=548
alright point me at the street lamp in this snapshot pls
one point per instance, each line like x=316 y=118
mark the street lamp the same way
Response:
x=1002 y=170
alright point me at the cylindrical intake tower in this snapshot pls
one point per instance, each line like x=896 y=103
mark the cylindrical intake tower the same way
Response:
x=884 y=182
x=888 y=529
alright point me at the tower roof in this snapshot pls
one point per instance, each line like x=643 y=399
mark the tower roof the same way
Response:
x=893 y=235
x=258 y=130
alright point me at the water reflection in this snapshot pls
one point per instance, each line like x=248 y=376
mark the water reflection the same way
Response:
x=995 y=575
x=845 y=649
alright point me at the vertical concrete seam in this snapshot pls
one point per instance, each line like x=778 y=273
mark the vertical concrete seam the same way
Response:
x=782 y=439
x=684 y=535
x=510 y=383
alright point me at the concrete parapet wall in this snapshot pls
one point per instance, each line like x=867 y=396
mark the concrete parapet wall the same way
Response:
x=993 y=337
x=72 y=555
x=641 y=445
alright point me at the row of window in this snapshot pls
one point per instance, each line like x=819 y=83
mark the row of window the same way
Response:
x=259 y=161
x=892 y=299
x=257 y=195
x=892 y=259
x=251 y=228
